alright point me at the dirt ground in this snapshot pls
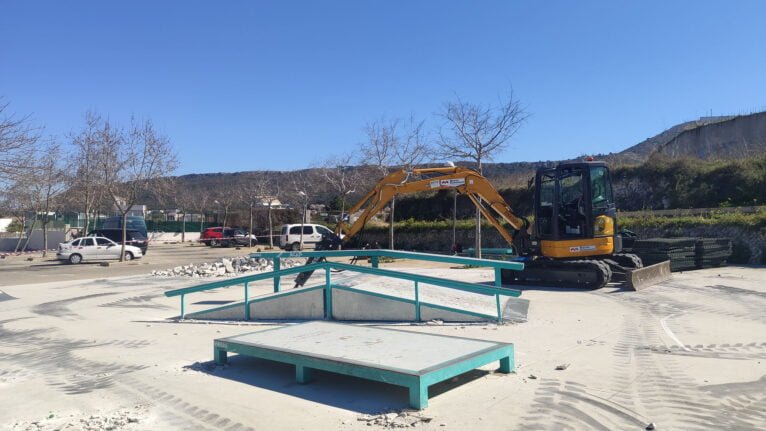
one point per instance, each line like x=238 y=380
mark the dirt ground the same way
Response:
x=100 y=353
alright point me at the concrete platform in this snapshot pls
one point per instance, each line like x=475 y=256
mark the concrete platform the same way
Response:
x=402 y=358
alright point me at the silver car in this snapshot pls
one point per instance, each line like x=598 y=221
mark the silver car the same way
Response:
x=94 y=248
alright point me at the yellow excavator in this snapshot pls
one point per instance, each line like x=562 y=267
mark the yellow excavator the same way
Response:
x=573 y=242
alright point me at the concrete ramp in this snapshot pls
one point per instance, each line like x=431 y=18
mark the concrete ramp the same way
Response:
x=305 y=303
x=354 y=304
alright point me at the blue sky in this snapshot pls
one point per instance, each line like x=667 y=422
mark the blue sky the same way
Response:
x=252 y=85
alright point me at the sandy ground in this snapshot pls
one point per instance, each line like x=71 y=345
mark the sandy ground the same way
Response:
x=99 y=353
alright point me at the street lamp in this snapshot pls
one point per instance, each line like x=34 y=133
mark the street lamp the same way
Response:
x=343 y=204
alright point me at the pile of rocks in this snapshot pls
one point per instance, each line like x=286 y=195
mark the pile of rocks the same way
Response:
x=401 y=419
x=126 y=419
x=226 y=267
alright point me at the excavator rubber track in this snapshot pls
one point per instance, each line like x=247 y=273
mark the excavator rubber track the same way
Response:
x=579 y=274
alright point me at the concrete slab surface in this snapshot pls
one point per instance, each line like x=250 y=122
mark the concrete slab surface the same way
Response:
x=381 y=348
x=688 y=354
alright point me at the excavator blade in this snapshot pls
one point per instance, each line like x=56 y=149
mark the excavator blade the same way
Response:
x=642 y=278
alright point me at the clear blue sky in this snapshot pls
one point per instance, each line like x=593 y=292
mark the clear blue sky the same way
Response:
x=251 y=85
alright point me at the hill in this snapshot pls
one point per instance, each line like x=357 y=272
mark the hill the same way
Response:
x=734 y=137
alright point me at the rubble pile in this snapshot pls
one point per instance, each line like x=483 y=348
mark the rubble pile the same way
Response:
x=226 y=267
x=402 y=419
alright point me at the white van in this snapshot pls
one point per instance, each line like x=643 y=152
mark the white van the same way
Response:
x=290 y=236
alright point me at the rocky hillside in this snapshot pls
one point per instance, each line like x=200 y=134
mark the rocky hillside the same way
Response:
x=704 y=139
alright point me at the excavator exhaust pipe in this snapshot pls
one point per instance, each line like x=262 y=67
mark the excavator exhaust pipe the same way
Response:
x=641 y=278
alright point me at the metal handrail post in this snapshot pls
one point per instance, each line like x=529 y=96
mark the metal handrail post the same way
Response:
x=417 y=302
x=498 y=277
x=327 y=294
x=183 y=308
x=277 y=278
x=499 y=314
x=247 y=303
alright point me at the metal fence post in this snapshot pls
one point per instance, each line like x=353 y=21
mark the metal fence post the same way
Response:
x=183 y=308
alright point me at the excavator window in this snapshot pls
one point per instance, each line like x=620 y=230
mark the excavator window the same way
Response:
x=544 y=217
x=601 y=190
x=571 y=203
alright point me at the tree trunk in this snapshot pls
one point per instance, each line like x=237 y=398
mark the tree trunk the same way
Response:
x=250 y=232
x=271 y=238
x=45 y=235
x=183 y=225
x=478 y=219
x=87 y=220
x=124 y=235
x=29 y=235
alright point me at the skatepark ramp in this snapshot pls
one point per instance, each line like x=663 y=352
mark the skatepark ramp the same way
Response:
x=385 y=295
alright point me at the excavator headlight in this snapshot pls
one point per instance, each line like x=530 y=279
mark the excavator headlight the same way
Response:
x=603 y=226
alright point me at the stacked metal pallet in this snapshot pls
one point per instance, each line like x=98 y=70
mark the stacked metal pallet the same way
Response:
x=712 y=252
x=683 y=253
x=680 y=252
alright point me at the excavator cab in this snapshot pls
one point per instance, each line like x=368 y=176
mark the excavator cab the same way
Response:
x=575 y=211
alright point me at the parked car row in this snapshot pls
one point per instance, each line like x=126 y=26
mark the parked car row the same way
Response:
x=290 y=238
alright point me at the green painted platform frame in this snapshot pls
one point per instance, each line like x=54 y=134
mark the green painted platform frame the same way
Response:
x=417 y=383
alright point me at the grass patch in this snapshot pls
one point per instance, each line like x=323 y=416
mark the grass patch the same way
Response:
x=745 y=220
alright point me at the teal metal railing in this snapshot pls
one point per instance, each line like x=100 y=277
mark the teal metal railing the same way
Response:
x=328 y=266
x=376 y=254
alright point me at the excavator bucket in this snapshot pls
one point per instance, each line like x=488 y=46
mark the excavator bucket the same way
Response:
x=641 y=278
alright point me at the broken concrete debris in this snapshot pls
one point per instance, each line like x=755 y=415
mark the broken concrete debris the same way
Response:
x=226 y=267
x=401 y=419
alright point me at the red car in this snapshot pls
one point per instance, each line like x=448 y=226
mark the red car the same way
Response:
x=218 y=236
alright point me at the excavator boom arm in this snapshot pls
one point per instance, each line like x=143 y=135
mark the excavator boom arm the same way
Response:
x=465 y=181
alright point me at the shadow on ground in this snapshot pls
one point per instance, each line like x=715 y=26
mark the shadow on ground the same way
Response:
x=336 y=390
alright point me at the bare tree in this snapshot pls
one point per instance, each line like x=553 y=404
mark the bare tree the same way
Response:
x=395 y=143
x=341 y=178
x=303 y=187
x=19 y=201
x=224 y=198
x=48 y=183
x=129 y=161
x=86 y=190
x=199 y=199
x=253 y=192
x=18 y=140
x=379 y=150
x=412 y=147
x=478 y=132
x=273 y=194
x=167 y=194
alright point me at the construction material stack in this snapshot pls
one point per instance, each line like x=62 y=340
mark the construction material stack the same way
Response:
x=712 y=252
x=679 y=251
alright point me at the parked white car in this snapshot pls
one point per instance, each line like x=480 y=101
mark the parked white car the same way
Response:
x=290 y=236
x=94 y=248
